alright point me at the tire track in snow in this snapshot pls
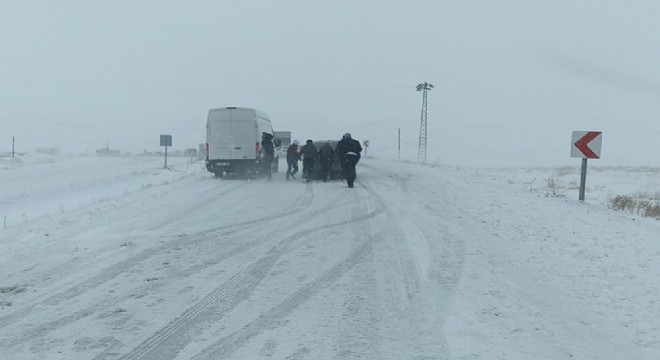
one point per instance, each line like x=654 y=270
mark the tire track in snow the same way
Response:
x=272 y=318
x=444 y=247
x=445 y=268
x=75 y=264
x=211 y=199
x=107 y=275
x=169 y=341
x=116 y=269
x=429 y=296
x=408 y=269
x=359 y=332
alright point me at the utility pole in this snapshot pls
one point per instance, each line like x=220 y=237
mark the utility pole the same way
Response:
x=421 y=152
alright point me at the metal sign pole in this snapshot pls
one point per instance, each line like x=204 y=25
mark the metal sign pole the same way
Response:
x=12 y=146
x=399 y=143
x=583 y=178
x=165 y=157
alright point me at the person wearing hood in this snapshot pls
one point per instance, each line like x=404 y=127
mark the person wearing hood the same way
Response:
x=268 y=154
x=292 y=158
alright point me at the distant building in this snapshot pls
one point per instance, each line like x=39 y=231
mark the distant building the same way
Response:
x=47 y=150
x=107 y=152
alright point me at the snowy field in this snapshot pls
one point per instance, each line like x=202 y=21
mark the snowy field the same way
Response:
x=118 y=258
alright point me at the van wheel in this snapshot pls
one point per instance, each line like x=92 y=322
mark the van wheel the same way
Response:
x=218 y=174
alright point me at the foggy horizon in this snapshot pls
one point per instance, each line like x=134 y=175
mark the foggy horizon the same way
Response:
x=512 y=80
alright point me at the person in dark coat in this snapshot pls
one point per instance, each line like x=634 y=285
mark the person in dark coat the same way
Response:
x=292 y=158
x=327 y=158
x=309 y=155
x=268 y=154
x=349 y=151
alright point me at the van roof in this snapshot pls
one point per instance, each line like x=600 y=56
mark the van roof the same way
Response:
x=257 y=111
x=233 y=108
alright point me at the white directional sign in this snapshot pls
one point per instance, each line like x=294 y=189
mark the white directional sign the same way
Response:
x=586 y=144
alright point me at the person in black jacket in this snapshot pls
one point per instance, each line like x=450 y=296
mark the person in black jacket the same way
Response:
x=292 y=158
x=309 y=155
x=349 y=151
x=268 y=154
x=327 y=157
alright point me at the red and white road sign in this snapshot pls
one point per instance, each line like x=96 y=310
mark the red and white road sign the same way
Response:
x=586 y=144
x=365 y=143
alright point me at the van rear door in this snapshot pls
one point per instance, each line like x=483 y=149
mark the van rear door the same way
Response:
x=244 y=138
x=218 y=135
x=232 y=134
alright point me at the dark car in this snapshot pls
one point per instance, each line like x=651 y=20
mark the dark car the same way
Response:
x=335 y=172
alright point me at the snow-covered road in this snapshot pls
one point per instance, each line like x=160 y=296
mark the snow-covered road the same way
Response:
x=121 y=259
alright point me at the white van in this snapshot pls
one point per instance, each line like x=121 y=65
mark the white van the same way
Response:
x=233 y=140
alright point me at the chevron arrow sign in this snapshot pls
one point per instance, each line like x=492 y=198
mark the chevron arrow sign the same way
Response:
x=586 y=144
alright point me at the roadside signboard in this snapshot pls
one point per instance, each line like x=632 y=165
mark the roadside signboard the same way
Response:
x=585 y=145
x=166 y=140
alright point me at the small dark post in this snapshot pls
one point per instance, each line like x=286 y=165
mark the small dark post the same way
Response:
x=12 y=146
x=399 y=143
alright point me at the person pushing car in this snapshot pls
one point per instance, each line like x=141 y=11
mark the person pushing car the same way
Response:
x=349 y=151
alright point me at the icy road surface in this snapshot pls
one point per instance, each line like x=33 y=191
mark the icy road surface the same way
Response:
x=121 y=259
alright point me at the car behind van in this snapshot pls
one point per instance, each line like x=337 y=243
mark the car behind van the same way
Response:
x=233 y=140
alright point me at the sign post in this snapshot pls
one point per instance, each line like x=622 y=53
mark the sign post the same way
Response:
x=365 y=143
x=585 y=145
x=166 y=140
x=399 y=144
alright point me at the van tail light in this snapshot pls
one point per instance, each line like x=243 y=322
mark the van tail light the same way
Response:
x=257 y=147
x=207 y=152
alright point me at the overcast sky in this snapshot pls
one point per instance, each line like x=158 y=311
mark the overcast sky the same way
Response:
x=512 y=79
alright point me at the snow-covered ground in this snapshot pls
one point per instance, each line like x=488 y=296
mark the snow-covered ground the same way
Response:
x=118 y=258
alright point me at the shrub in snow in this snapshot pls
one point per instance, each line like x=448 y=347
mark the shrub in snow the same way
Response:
x=554 y=188
x=637 y=204
x=652 y=211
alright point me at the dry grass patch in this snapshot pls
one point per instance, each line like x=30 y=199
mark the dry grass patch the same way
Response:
x=639 y=204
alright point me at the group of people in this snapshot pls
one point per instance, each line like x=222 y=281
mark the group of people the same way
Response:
x=309 y=155
x=347 y=149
